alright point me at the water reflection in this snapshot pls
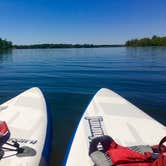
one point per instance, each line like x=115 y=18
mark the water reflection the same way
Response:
x=5 y=55
x=139 y=52
x=70 y=77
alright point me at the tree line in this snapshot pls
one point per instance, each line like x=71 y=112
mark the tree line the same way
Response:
x=61 y=46
x=154 y=41
x=5 y=44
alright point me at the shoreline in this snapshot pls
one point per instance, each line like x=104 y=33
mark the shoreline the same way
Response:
x=14 y=48
x=59 y=46
x=92 y=47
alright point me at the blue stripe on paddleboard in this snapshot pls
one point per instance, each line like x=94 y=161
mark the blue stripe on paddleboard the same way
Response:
x=72 y=137
x=70 y=143
x=47 y=145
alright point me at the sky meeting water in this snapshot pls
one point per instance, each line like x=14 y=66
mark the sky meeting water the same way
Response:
x=81 y=21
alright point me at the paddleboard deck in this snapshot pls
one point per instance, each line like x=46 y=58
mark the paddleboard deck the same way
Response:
x=26 y=117
x=110 y=114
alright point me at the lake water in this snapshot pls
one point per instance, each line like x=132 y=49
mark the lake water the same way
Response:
x=70 y=77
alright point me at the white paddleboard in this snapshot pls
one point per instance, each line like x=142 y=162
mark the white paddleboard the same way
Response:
x=110 y=114
x=26 y=117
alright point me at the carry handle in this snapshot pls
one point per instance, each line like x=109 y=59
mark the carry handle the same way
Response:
x=161 y=147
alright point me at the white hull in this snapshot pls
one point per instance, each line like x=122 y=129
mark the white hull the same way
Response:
x=26 y=117
x=121 y=120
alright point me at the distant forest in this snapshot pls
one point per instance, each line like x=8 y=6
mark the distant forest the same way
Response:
x=62 y=46
x=4 y=44
x=154 y=41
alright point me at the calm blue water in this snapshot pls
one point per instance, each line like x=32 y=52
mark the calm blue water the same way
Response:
x=70 y=77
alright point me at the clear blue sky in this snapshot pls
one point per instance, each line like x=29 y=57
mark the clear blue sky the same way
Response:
x=81 y=21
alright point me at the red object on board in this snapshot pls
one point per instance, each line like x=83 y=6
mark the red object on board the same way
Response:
x=3 y=128
x=123 y=156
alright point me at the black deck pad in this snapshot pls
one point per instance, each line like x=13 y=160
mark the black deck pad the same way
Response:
x=27 y=151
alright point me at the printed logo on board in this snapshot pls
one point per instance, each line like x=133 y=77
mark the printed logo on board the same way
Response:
x=25 y=141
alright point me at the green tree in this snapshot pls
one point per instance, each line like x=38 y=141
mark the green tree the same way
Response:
x=154 y=41
x=4 y=44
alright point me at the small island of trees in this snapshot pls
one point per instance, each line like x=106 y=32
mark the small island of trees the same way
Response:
x=4 y=44
x=154 y=41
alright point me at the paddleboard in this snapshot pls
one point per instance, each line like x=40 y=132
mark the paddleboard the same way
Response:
x=26 y=116
x=112 y=115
